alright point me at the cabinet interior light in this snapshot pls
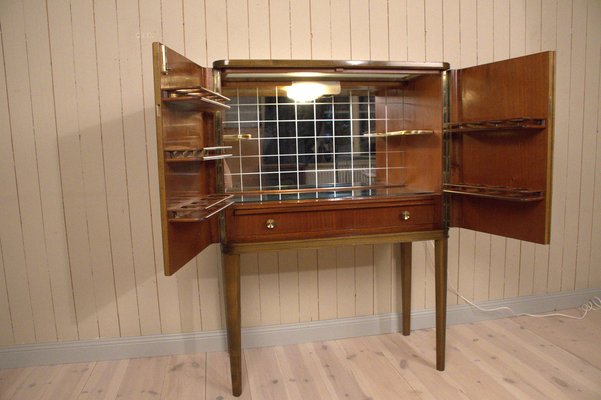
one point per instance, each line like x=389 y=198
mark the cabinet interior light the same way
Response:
x=303 y=92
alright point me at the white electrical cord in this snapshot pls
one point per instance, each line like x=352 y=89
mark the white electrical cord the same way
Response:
x=593 y=304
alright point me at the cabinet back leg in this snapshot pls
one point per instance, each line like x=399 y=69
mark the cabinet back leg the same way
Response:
x=440 y=271
x=405 y=269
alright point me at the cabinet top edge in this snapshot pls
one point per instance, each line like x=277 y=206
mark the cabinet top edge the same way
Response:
x=330 y=64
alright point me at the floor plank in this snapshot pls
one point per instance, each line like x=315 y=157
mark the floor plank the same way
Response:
x=104 y=381
x=333 y=367
x=558 y=369
x=34 y=385
x=186 y=377
x=514 y=358
x=575 y=336
x=374 y=372
x=144 y=378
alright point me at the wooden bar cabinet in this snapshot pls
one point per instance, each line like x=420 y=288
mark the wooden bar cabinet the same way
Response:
x=386 y=152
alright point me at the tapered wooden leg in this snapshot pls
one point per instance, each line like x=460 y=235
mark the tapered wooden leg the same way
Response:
x=231 y=274
x=440 y=267
x=406 y=286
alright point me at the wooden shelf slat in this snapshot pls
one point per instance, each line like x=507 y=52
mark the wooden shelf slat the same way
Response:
x=495 y=192
x=522 y=123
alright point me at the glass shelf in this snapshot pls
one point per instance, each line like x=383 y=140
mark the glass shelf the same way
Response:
x=495 y=192
x=197 y=208
x=406 y=132
x=522 y=123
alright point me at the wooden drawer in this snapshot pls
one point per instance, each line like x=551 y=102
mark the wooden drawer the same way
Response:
x=302 y=221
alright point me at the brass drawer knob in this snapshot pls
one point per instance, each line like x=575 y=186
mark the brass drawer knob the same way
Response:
x=270 y=223
x=405 y=215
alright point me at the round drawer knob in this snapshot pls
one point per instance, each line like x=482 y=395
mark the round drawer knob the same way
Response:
x=270 y=223
x=405 y=215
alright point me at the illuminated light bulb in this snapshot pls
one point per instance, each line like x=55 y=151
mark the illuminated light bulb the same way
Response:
x=304 y=92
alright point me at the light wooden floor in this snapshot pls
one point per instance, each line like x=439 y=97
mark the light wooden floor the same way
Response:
x=521 y=358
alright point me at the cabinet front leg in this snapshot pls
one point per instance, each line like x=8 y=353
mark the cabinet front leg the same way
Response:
x=406 y=286
x=440 y=272
x=231 y=274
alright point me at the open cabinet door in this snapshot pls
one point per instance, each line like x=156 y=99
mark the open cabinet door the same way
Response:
x=188 y=156
x=499 y=147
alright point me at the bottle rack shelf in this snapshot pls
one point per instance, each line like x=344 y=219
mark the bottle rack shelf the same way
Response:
x=186 y=154
x=522 y=123
x=197 y=208
x=495 y=192
x=195 y=99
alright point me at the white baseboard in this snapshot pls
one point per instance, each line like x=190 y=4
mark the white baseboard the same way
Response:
x=161 y=345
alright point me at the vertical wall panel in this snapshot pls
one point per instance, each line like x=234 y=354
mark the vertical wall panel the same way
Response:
x=590 y=20
x=326 y=264
x=595 y=260
x=359 y=17
x=71 y=166
x=279 y=32
x=38 y=54
x=258 y=28
x=20 y=328
x=237 y=29
x=217 y=40
x=576 y=81
x=364 y=280
x=26 y=169
x=249 y=294
x=172 y=18
x=109 y=88
x=195 y=39
x=378 y=32
x=383 y=267
x=345 y=281
x=397 y=30
x=269 y=288
x=289 y=286
x=416 y=37
x=308 y=290
x=137 y=165
x=210 y=289
x=321 y=34
x=86 y=78
x=300 y=29
x=340 y=20
x=6 y=333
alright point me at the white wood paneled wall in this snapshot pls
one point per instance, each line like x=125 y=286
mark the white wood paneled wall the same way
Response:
x=80 y=247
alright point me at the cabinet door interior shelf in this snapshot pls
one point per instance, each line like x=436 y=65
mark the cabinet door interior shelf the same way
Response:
x=185 y=154
x=197 y=208
x=195 y=99
x=495 y=192
x=496 y=125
